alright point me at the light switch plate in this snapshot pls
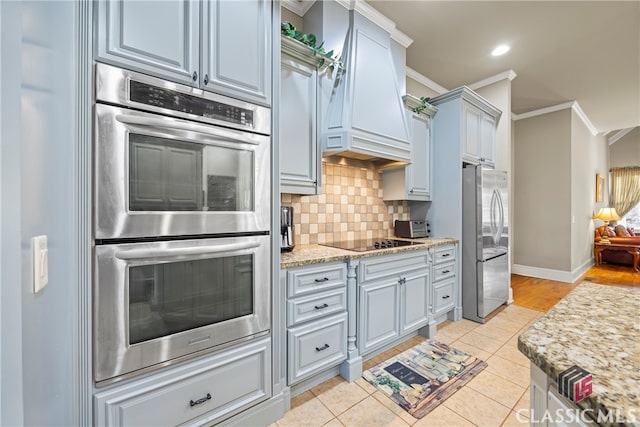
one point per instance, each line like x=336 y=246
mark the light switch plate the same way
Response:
x=40 y=262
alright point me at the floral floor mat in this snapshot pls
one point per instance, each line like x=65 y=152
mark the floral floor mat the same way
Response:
x=421 y=378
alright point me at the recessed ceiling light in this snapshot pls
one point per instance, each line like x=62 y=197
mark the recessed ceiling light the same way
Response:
x=500 y=50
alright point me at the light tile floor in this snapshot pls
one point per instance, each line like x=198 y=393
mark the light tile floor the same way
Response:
x=491 y=399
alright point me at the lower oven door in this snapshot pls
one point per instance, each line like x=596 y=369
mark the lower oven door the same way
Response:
x=157 y=303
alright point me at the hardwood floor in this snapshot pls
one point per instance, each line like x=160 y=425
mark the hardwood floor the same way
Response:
x=541 y=294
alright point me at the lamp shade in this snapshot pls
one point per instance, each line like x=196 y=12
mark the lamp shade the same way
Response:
x=607 y=214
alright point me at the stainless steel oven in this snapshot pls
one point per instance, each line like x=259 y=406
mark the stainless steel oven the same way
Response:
x=160 y=302
x=182 y=208
x=172 y=160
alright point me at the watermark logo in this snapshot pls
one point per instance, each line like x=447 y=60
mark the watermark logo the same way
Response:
x=575 y=383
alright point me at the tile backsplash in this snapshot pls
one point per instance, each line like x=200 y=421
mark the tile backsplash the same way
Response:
x=349 y=208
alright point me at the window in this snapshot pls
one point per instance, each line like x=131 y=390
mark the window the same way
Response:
x=632 y=218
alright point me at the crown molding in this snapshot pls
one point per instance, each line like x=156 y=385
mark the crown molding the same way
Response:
x=505 y=75
x=471 y=97
x=572 y=104
x=425 y=81
x=365 y=9
x=619 y=135
x=412 y=102
x=299 y=7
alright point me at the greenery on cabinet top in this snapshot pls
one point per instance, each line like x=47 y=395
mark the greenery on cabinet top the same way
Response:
x=324 y=58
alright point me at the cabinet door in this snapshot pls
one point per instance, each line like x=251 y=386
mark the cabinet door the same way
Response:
x=154 y=37
x=415 y=300
x=471 y=144
x=419 y=170
x=298 y=127
x=236 y=49
x=488 y=138
x=378 y=315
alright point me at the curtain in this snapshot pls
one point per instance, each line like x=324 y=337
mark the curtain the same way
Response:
x=625 y=188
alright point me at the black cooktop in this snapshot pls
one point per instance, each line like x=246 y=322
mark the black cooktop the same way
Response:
x=370 y=244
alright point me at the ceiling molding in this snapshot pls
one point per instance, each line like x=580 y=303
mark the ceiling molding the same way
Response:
x=425 y=81
x=619 y=135
x=509 y=74
x=572 y=104
x=365 y=9
x=299 y=7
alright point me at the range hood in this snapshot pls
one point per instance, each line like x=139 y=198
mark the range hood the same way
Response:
x=365 y=117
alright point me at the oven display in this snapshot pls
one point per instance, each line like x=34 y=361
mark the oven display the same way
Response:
x=178 y=101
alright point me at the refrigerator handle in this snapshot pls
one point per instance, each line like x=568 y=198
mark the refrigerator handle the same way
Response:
x=497 y=210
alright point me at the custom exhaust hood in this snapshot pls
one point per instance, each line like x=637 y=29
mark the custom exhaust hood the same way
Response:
x=365 y=118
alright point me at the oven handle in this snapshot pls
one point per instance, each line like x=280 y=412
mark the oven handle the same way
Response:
x=164 y=253
x=185 y=126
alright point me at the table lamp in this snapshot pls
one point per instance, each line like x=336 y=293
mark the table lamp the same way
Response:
x=607 y=215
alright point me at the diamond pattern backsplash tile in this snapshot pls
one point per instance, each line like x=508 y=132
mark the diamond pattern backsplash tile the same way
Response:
x=349 y=208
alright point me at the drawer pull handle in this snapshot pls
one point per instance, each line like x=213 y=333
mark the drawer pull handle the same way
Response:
x=324 y=279
x=320 y=307
x=200 y=401
x=324 y=347
x=445 y=255
x=445 y=271
x=446 y=296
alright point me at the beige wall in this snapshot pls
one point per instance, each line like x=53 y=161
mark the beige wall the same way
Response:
x=542 y=191
x=418 y=89
x=626 y=151
x=588 y=157
x=288 y=16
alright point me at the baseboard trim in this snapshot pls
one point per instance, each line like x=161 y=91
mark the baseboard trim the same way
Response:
x=550 y=274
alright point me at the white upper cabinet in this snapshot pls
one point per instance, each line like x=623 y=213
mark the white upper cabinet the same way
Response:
x=413 y=181
x=300 y=159
x=479 y=140
x=217 y=45
x=158 y=37
x=236 y=49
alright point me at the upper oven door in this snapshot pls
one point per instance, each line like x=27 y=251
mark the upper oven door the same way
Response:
x=161 y=176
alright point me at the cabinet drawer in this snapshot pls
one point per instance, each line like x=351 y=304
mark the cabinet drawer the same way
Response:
x=321 y=277
x=317 y=346
x=443 y=298
x=317 y=305
x=376 y=268
x=444 y=254
x=213 y=388
x=444 y=271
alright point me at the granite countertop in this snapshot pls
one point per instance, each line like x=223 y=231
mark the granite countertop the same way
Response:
x=596 y=327
x=314 y=254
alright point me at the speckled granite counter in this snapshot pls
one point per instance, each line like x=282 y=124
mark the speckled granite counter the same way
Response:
x=596 y=327
x=313 y=254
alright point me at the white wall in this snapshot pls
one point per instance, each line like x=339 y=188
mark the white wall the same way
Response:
x=38 y=133
x=626 y=151
x=11 y=389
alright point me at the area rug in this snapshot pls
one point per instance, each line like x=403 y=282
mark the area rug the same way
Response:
x=422 y=377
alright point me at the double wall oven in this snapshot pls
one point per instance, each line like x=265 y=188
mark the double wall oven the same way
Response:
x=181 y=222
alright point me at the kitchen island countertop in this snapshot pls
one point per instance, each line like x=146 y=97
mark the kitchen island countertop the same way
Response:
x=314 y=254
x=596 y=327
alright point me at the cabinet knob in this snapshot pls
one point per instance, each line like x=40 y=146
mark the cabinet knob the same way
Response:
x=195 y=76
x=206 y=79
x=411 y=191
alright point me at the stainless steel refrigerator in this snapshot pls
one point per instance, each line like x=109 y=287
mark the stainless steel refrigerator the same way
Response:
x=485 y=242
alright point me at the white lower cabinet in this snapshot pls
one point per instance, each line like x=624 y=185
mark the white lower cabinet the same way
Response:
x=202 y=392
x=445 y=280
x=316 y=319
x=393 y=297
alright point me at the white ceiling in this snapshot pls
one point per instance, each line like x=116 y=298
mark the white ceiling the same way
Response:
x=584 y=51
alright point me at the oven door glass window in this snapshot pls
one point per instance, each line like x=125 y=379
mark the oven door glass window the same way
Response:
x=173 y=297
x=170 y=175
